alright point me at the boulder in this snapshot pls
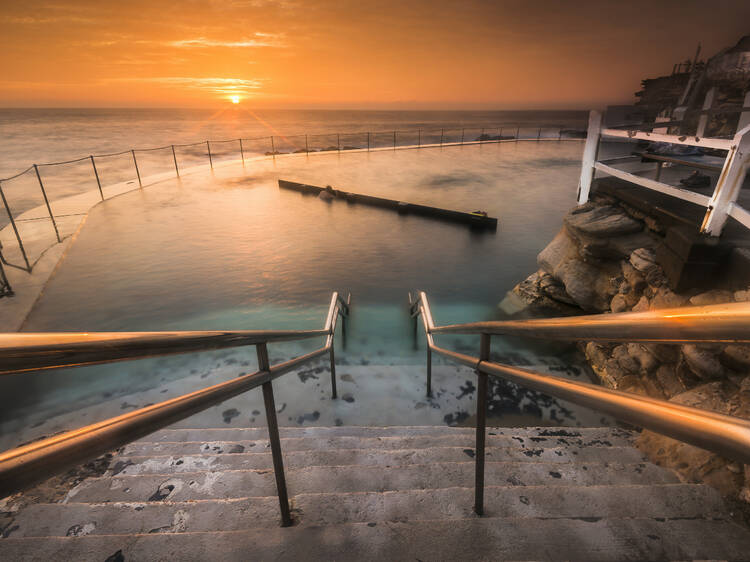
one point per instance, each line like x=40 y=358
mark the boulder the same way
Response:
x=603 y=221
x=716 y=296
x=325 y=196
x=737 y=357
x=742 y=296
x=618 y=303
x=642 y=305
x=643 y=259
x=645 y=359
x=625 y=360
x=582 y=282
x=560 y=250
x=665 y=298
x=702 y=362
x=554 y=289
x=668 y=380
x=694 y=464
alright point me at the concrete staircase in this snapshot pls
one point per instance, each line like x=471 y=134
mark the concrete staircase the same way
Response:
x=380 y=493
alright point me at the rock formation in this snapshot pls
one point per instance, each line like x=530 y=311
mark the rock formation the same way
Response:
x=603 y=260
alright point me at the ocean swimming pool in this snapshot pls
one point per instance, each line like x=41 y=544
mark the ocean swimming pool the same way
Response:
x=228 y=250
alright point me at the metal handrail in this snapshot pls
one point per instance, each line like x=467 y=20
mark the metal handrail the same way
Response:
x=726 y=435
x=29 y=464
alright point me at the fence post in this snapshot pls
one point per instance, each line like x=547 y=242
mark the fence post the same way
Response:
x=174 y=157
x=137 y=171
x=729 y=184
x=484 y=355
x=210 y=158
x=273 y=435
x=590 y=151
x=15 y=229
x=96 y=175
x=46 y=202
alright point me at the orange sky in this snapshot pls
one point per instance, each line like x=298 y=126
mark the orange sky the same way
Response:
x=369 y=54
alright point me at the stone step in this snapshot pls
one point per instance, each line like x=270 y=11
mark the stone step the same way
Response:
x=668 y=501
x=260 y=433
x=165 y=464
x=466 y=440
x=241 y=483
x=461 y=539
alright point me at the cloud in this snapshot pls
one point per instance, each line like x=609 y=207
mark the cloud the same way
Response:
x=223 y=86
x=259 y=40
x=39 y=20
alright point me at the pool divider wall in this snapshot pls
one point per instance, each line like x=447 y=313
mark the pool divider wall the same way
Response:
x=475 y=220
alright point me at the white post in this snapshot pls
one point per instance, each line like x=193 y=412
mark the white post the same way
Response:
x=745 y=115
x=729 y=184
x=703 y=119
x=589 y=156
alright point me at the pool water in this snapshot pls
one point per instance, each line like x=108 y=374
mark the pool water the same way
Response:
x=228 y=249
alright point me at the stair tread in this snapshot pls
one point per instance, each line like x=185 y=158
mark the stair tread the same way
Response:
x=227 y=483
x=485 y=538
x=593 y=502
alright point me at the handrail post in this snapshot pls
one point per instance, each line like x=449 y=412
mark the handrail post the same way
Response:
x=429 y=371
x=484 y=355
x=590 y=151
x=332 y=358
x=242 y=152
x=96 y=175
x=137 y=171
x=15 y=229
x=174 y=157
x=46 y=202
x=273 y=435
x=210 y=158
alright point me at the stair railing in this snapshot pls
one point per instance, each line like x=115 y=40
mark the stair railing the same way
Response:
x=27 y=352
x=725 y=323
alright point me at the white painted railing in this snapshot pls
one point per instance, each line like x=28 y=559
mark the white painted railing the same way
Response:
x=722 y=203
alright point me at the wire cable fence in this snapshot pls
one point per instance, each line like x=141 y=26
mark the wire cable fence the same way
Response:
x=43 y=204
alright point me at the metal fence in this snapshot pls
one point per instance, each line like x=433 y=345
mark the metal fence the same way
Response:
x=44 y=203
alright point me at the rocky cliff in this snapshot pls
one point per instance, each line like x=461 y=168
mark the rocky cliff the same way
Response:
x=603 y=260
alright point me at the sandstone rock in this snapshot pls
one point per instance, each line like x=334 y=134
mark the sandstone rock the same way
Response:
x=716 y=296
x=702 y=362
x=642 y=305
x=742 y=296
x=665 y=353
x=634 y=277
x=645 y=359
x=559 y=251
x=692 y=463
x=604 y=221
x=527 y=297
x=665 y=298
x=655 y=277
x=625 y=360
x=652 y=388
x=325 y=196
x=614 y=376
x=643 y=259
x=618 y=303
x=554 y=289
x=581 y=281
x=668 y=380
x=597 y=355
x=736 y=356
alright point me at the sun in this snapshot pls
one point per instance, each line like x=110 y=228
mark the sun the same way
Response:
x=235 y=99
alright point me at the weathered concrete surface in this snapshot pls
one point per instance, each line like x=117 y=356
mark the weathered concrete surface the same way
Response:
x=400 y=493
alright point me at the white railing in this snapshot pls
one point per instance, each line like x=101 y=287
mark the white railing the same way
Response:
x=722 y=203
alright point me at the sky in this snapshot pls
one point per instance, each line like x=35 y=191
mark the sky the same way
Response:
x=371 y=54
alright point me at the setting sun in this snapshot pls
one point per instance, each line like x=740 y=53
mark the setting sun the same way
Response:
x=235 y=99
